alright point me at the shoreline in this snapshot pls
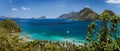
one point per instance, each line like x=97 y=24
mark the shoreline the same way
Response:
x=60 y=39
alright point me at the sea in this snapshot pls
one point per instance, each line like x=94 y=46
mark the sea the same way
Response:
x=56 y=29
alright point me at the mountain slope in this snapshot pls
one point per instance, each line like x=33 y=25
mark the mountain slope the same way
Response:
x=86 y=14
x=68 y=16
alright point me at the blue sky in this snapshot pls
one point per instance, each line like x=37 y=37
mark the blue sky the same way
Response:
x=53 y=8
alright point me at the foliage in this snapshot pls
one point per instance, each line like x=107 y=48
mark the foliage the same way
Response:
x=10 y=25
x=11 y=41
x=106 y=39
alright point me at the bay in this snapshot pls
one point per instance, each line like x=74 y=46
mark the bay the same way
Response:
x=55 y=29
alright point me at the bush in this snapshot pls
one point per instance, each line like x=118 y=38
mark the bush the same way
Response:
x=10 y=25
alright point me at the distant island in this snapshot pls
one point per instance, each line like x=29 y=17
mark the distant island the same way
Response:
x=84 y=14
x=41 y=17
x=8 y=17
x=4 y=17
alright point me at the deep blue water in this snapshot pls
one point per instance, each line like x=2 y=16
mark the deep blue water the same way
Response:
x=54 y=29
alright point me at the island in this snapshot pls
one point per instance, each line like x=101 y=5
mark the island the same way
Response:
x=84 y=14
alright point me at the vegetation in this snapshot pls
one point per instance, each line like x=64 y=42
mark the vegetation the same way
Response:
x=10 y=25
x=105 y=40
x=10 y=40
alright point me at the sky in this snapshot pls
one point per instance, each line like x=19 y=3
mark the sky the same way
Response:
x=53 y=8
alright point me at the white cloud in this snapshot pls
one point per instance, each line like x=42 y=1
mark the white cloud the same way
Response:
x=14 y=9
x=10 y=1
x=113 y=1
x=62 y=5
x=87 y=6
x=24 y=8
x=28 y=9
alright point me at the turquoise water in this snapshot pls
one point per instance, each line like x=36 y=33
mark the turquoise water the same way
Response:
x=55 y=29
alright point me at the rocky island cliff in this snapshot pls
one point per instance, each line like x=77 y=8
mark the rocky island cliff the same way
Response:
x=84 y=14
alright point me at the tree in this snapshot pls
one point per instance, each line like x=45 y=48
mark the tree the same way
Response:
x=106 y=38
